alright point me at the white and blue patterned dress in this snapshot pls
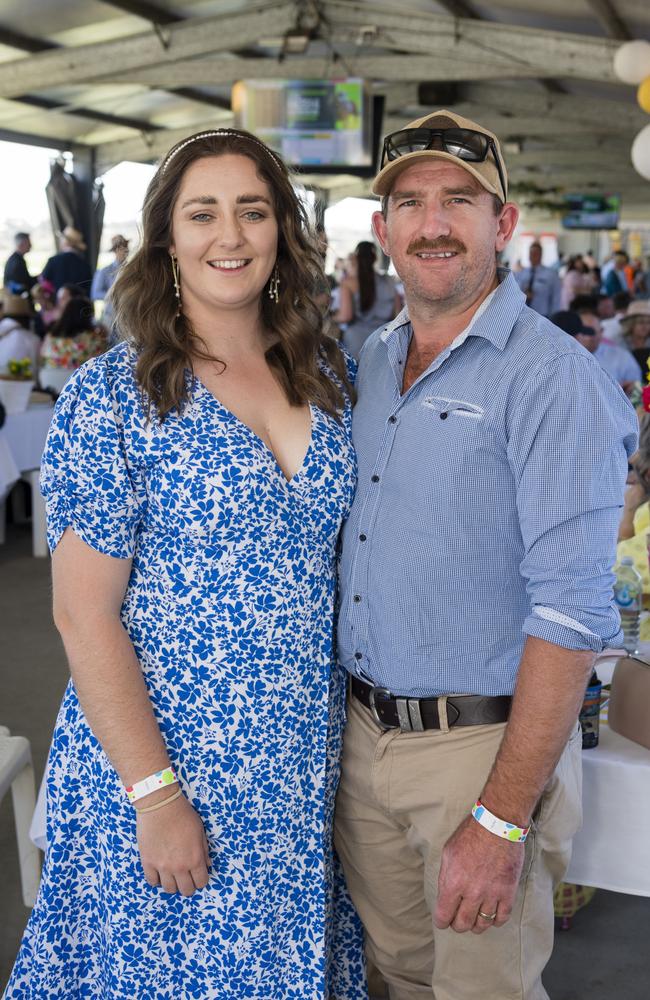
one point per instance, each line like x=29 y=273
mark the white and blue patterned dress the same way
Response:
x=229 y=607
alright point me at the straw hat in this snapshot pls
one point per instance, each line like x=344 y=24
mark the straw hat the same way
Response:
x=15 y=305
x=73 y=237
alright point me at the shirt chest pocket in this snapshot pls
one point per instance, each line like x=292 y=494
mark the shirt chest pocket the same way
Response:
x=456 y=409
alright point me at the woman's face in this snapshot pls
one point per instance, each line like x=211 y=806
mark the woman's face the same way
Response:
x=224 y=233
x=640 y=332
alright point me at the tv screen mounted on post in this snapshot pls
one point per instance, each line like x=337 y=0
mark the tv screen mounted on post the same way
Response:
x=591 y=211
x=317 y=126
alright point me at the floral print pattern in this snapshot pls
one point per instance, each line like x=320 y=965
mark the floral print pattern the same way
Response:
x=229 y=607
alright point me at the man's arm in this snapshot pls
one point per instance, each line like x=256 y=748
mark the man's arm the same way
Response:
x=479 y=870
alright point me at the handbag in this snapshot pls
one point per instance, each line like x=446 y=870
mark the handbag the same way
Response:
x=629 y=700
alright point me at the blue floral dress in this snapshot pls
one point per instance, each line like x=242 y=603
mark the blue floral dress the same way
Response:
x=229 y=607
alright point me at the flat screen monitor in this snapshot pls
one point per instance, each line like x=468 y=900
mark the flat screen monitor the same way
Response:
x=317 y=126
x=591 y=211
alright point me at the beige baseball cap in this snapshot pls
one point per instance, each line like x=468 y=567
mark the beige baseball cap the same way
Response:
x=485 y=171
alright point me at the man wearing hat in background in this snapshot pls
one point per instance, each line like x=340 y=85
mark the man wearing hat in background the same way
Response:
x=475 y=587
x=70 y=266
x=105 y=276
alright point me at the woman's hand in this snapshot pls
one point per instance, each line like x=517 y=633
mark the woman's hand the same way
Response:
x=173 y=846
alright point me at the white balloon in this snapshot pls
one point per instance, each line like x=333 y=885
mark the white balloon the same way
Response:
x=632 y=61
x=641 y=153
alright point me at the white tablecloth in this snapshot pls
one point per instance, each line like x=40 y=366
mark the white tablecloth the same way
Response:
x=612 y=849
x=22 y=440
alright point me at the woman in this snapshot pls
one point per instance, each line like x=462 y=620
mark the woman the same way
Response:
x=72 y=340
x=17 y=339
x=367 y=299
x=196 y=478
x=575 y=282
x=635 y=330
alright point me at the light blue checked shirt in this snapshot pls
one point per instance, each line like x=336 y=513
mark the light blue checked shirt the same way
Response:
x=488 y=504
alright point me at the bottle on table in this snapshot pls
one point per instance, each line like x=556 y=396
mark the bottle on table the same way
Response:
x=590 y=713
x=628 y=595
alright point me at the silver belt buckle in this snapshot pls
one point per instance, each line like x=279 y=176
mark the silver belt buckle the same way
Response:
x=374 y=691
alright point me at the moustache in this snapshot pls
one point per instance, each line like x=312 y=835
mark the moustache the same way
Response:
x=436 y=246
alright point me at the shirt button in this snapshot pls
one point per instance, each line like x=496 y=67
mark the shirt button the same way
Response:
x=362 y=538
x=374 y=479
x=358 y=656
x=356 y=598
x=392 y=420
x=443 y=416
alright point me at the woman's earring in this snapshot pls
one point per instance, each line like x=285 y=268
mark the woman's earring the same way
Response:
x=177 y=283
x=274 y=285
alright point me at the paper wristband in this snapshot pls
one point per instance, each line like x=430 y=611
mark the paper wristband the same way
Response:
x=497 y=826
x=151 y=784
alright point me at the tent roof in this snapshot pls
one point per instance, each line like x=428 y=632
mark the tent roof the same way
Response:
x=130 y=77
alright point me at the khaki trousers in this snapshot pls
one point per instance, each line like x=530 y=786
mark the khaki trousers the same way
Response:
x=400 y=798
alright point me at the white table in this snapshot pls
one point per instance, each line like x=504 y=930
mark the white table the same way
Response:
x=612 y=849
x=22 y=440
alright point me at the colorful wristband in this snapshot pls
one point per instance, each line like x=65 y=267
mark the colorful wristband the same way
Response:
x=497 y=826
x=151 y=784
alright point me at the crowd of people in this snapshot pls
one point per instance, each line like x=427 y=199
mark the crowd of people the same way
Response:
x=49 y=320
x=227 y=491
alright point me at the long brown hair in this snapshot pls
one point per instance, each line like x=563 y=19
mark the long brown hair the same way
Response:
x=146 y=305
x=366 y=255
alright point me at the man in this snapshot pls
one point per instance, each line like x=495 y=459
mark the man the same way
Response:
x=619 y=362
x=541 y=285
x=70 y=265
x=16 y=275
x=105 y=276
x=616 y=278
x=475 y=587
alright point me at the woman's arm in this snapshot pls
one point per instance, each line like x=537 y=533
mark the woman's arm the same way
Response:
x=346 y=304
x=89 y=590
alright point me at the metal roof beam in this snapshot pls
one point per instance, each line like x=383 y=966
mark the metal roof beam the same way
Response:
x=610 y=19
x=149 y=147
x=147 y=11
x=198 y=36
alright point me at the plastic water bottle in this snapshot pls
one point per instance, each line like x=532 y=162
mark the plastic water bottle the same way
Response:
x=628 y=594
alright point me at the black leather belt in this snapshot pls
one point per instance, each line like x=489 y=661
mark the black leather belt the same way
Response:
x=413 y=715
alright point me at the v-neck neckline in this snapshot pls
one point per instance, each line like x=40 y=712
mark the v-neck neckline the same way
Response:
x=253 y=434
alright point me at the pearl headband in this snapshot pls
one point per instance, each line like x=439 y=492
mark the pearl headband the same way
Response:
x=219 y=133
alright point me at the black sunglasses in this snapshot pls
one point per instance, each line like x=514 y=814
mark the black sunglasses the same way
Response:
x=464 y=143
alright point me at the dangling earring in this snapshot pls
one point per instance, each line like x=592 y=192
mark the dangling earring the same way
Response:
x=177 y=283
x=274 y=285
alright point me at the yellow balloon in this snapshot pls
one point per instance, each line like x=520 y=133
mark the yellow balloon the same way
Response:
x=643 y=94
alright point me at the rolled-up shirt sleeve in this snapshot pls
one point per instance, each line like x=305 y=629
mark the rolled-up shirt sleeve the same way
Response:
x=570 y=436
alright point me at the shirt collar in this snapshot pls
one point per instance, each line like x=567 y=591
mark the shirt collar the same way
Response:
x=493 y=320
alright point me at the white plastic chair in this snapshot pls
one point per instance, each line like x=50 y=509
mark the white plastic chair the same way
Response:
x=17 y=773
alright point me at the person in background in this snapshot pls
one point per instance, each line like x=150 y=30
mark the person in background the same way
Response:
x=541 y=285
x=70 y=264
x=636 y=333
x=104 y=278
x=367 y=299
x=17 y=278
x=612 y=325
x=616 y=277
x=570 y=321
x=617 y=361
x=575 y=282
x=470 y=612
x=642 y=283
x=46 y=311
x=635 y=520
x=17 y=339
x=72 y=340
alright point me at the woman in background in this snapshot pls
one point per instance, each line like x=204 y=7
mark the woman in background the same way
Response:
x=367 y=299
x=72 y=340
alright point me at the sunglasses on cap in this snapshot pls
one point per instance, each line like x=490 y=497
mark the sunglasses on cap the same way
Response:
x=464 y=143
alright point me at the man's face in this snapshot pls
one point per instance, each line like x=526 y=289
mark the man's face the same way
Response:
x=606 y=307
x=121 y=251
x=535 y=255
x=593 y=342
x=620 y=260
x=24 y=246
x=442 y=234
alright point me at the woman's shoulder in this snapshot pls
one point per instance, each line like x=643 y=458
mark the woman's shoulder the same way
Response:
x=111 y=374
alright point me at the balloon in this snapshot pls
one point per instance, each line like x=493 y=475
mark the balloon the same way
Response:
x=643 y=95
x=641 y=153
x=632 y=61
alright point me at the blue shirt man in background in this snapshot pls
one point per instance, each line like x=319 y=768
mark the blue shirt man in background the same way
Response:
x=541 y=285
x=476 y=586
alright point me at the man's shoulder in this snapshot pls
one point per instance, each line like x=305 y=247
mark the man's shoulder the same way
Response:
x=536 y=343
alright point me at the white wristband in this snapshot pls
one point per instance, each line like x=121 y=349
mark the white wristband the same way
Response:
x=151 y=784
x=497 y=826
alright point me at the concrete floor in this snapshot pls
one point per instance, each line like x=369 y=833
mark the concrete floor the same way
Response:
x=605 y=955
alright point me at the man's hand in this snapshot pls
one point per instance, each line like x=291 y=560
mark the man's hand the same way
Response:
x=479 y=872
x=173 y=847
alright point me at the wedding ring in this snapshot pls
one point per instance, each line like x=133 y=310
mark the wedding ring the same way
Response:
x=487 y=916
